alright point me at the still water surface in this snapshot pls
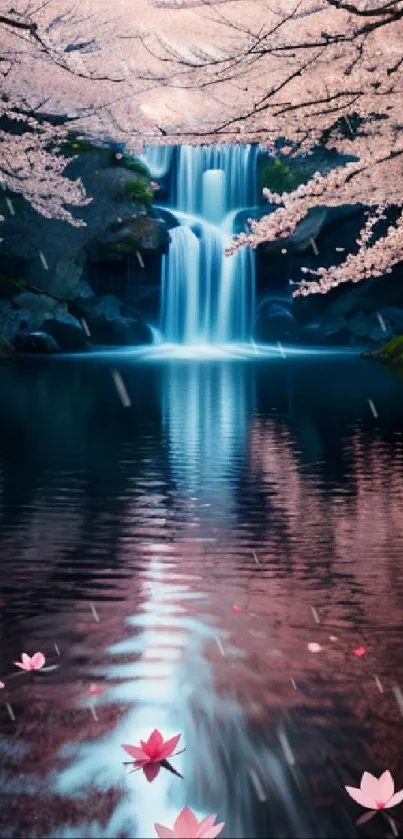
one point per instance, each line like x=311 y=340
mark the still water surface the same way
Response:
x=181 y=554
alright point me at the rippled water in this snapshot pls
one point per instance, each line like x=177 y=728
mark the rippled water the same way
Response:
x=181 y=554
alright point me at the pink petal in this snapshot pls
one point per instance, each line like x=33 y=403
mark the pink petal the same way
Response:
x=207 y=829
x=151 y=771
x=94 y=690
x=169 y=747
x=371 y=787
x=154 y=743
x=37 y=661
x=213 y=831
x=139 y=764
x=26 y=660
x=204 y=825
x=135 y=752
x=387 y=786
x=21 y=666
x=2 y=685
x=186 y=824
x=361 y=798
x=360 y=651
x=367 y=817
x=164 y=832
x=396 y=799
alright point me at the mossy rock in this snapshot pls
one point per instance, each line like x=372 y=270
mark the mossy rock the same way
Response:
x=133 y=164
x=75 y=144
x=126 y=247
x=279 y=176
x=9 y=286
x=391 y=352
x=137 y=191
x=7 y=351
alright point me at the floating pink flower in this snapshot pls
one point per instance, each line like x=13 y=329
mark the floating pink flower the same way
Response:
x=95 y=690
x=34 y=662
x=313 y=647
x=187 y=826
x=152 y=754
x=376 y=793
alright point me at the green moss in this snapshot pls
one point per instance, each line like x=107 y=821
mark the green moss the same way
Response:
x=76 y=145
x=6 y=350
x=279 y=176
x=138 y=191
x=391 y=352
x=124 y=248
x=9 y=286
x=133 y=165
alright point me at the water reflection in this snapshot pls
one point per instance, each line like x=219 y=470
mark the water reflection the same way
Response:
x=206 y=411
x=268 y=486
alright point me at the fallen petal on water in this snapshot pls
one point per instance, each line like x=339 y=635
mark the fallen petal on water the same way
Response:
x=313 y=647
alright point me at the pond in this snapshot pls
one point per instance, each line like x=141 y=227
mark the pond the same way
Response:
x=175 y=559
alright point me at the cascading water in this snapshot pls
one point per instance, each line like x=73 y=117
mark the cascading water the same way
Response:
x=207 y=297
x=158 y=160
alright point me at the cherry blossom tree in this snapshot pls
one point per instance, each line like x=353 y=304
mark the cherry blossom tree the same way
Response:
x=309 y=72
x=59 y=71
x=291 y=75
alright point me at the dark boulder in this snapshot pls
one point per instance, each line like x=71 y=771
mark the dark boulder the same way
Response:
x=311 y=336
x=35 y=342
x=111 y=323
x=275 y=322
x=335 y=331
x=67 y=331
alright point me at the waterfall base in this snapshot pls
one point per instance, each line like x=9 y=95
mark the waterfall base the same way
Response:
x=215 y=352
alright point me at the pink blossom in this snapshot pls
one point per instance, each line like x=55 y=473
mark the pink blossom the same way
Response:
x=376 y=793
x=34 y=662
x=186 y=826
x=152 y=753
x=95 y=690
x=313 y=647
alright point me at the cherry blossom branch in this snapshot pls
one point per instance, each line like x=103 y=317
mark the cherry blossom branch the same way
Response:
x=367 y=263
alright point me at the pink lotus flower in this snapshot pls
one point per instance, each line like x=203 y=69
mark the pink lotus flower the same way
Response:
x=153 y=754
x=31 y=663
x=186 y=826
x=376 y=793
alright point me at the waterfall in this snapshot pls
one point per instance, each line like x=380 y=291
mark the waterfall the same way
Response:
x=208 y=297
x=238 y=164
x=180 y=296
x=158 y=159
